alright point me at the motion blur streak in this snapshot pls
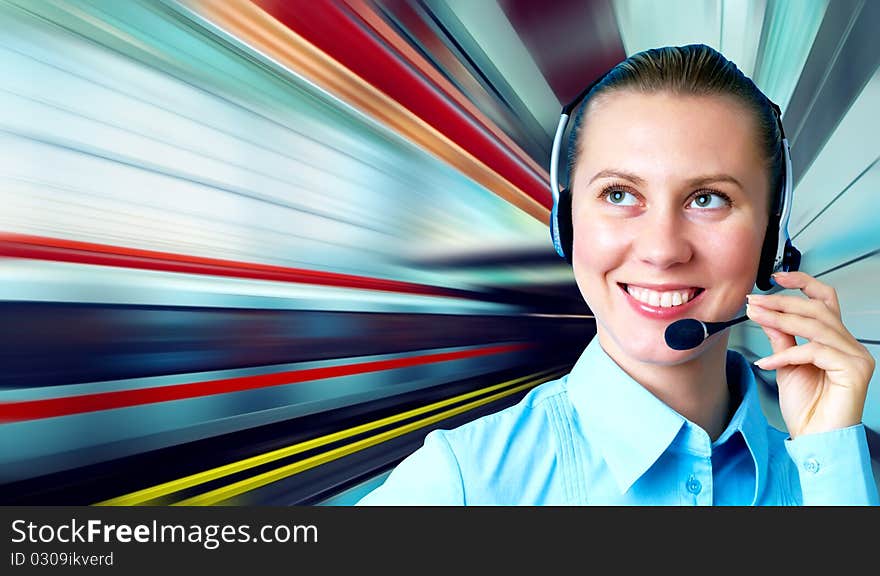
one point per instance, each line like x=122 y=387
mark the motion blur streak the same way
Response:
x=217 y=241
x=144 y=497
x=384 y=69
x=67 y=405
x=226 y=493
x=412 y=56
x=54 y=249
x=470 y=155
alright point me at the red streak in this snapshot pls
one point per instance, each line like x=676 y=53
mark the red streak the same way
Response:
x=341 y=34
x=52 y=407
x=59 y=250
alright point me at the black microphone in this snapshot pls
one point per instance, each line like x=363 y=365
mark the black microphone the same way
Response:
x=690 y=332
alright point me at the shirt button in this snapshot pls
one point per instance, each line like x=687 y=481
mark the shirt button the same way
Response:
x=811 y=465
x=693 y=485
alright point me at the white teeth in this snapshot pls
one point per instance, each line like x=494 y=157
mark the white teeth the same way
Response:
x=660 y=299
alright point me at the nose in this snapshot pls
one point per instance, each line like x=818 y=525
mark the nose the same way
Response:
x=662 y=239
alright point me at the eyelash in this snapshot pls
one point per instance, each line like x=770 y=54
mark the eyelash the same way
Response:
x=618 y=188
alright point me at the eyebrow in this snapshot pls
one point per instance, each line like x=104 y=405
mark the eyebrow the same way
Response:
x=697 y=181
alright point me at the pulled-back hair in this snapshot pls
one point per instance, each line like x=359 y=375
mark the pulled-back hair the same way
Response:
x=692 y=70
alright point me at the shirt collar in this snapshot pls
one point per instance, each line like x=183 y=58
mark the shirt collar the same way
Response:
x=632 y=428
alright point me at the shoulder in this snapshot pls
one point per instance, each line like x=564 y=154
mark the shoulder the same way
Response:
x=526 y=417
x=471 y=463
x=427 y=477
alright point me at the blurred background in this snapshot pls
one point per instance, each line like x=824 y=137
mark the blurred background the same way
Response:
x=252 y=252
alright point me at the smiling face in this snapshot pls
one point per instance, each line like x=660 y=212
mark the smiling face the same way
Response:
x=669 y=207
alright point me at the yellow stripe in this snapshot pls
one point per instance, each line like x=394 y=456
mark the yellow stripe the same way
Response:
x=225 y=493
x=147 y=495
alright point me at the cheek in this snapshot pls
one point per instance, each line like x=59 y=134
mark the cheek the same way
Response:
x=597 y=248
x=735 y=253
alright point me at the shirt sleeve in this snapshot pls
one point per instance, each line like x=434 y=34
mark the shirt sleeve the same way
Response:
x=430 y=476
x=834 y=467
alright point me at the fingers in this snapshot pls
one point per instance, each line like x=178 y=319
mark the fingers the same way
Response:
x=810 y=286
x=807 y=327
x=833 y=361
x=822 y=383
x=814 y=353
x=809 y=308
x=816 y=317
x=779 y=341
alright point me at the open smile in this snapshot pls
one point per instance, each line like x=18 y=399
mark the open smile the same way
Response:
x=662 y=301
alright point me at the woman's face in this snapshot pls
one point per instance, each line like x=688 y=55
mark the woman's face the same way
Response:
x=669 y=208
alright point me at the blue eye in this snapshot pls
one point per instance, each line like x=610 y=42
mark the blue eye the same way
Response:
x=619 y=197
x=710 y=200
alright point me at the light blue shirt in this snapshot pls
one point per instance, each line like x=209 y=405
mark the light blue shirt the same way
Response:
x=597 y=437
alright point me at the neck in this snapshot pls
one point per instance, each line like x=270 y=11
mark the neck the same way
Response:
x=696 y=389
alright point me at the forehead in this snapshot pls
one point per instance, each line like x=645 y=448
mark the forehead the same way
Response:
x=664 y=135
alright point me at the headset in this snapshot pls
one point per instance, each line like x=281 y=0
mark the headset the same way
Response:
x=777 y=253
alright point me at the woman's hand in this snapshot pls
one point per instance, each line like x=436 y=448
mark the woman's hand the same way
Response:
x=823 y=382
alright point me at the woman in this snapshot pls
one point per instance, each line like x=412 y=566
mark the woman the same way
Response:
x=676 y=166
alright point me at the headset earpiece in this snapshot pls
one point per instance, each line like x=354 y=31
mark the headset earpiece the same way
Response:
x=561 y=229
x=778 y=253
x=768 y=254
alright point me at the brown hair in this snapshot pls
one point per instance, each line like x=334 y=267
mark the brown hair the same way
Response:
x=697 y=70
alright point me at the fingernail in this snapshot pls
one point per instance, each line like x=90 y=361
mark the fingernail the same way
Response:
x=758 y=362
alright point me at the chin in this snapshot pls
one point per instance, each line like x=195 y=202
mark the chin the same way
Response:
x=651 y=348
